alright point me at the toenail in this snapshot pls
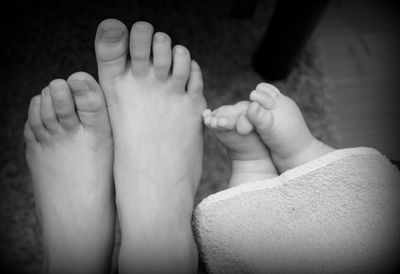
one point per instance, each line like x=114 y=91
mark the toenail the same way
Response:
x=57 y=90
x=253 y=93
x=112 y=34
x=57 y=84
x=142 y=26
x=35 y=100
x=270 y=89
x=180 y=49
x=45 y=92
x=160 y=37
x=273 y=91
x=206 y=112
x=81 y=85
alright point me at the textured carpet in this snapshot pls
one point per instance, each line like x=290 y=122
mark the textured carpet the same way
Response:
x=53 y=40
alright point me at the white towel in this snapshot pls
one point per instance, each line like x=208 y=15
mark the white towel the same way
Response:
x=336 y=214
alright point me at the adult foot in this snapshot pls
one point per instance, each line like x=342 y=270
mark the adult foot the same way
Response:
x=155 y=111
x=281 y=126
x=69 y=153
x=250 y=157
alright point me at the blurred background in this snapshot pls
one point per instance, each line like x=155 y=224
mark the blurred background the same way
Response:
x=337 y=59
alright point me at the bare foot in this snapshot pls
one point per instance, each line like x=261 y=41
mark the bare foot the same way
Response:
x=155 y=111
x=281 y=126
x=69 y=154
x=250 y=157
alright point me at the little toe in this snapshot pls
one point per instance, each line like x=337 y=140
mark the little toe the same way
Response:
x=140 y=47
x=47 y=113
x=260 y=117
x=161 y=56
x=206 y=112
x=181 y=65
x=213 y=122
x=263 y=98
x=195 y=84
x=35 y=121
x=89 y=101
x=243 y=125
x=111 y=46
x=63 y=104
x=207 y=121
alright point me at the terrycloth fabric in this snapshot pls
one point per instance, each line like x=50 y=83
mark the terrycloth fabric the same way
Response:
x=336 y=214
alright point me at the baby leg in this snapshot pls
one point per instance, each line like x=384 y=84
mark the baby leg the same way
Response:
x=281 y=126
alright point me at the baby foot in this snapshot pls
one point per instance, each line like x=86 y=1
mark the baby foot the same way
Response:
x=250 y=157
x=69 y=153
x=155 y=112
x=281 y=126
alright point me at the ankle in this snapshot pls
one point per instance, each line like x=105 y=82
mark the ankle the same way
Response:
x=155 y=215
x=310 y=150
x=158 y=246
x=251 y=170
x=70 y=259
x=247 y=154
x=263 y=165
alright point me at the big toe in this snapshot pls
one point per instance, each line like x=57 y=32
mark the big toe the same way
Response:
x=111 y=46
x=243 y=125
x=261 y=118
x=89 y=101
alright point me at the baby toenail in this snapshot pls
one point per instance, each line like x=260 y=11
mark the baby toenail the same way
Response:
x=273 y=92
x=112 y=34
x=207 y=112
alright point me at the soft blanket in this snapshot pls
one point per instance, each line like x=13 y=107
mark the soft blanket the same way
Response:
x=336 y=214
